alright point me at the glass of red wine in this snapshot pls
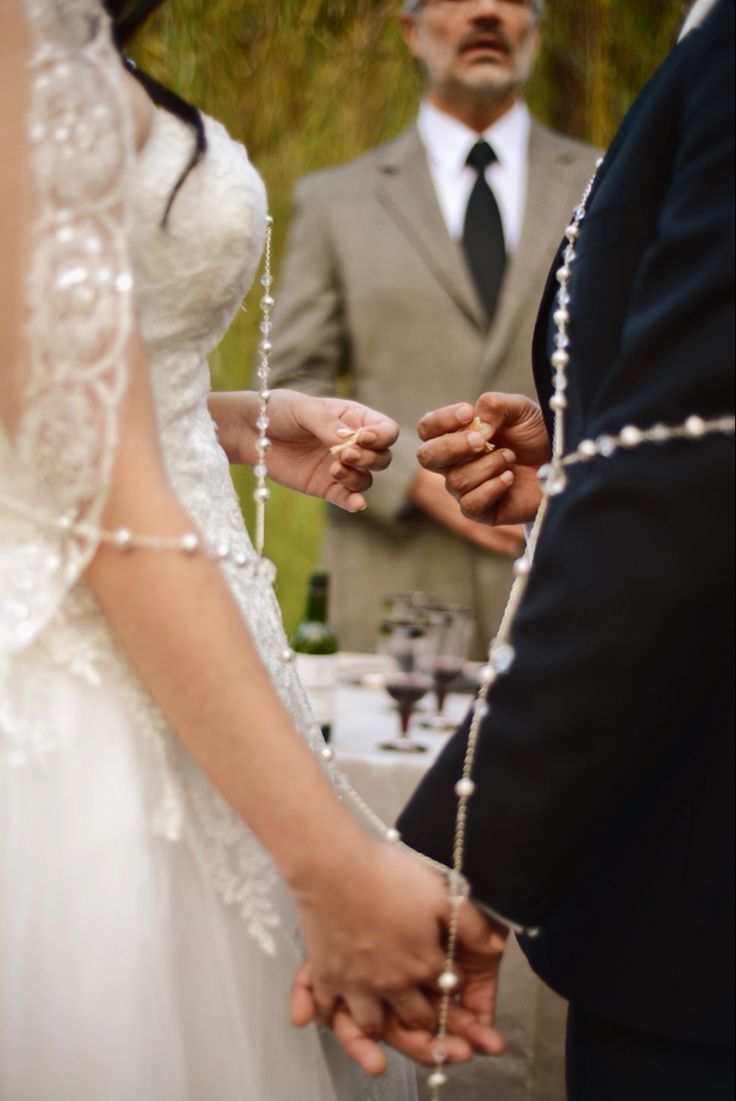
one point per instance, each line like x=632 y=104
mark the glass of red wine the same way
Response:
x=450 y=629
x=408 y=677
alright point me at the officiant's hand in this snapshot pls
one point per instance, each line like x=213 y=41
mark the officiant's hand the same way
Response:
x=492 y=487
x=325 y=447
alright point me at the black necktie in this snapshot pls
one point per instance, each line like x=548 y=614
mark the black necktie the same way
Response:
x=485 y=249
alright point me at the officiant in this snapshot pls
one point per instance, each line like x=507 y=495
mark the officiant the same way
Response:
x=412 y=278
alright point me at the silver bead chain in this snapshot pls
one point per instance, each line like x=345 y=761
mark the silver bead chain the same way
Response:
x=261 y=492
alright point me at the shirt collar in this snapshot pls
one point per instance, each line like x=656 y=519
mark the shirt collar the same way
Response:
x=448 y=141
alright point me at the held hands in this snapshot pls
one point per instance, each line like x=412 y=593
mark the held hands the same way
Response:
x=304 y=432
x=493 y=487
x=375 y=939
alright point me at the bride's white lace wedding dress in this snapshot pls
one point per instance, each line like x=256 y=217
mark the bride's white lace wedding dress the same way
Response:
x=147 y=944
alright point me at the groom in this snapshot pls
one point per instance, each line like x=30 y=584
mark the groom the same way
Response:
x=603 y=805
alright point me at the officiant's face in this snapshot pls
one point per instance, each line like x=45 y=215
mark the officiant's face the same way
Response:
x=473 y=47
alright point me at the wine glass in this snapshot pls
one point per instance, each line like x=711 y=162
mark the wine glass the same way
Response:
x=408 y=678
x=396 y=607
x=450 y=628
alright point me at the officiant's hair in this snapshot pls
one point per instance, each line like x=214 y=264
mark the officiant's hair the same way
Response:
x=127 y=17
x=411 y=7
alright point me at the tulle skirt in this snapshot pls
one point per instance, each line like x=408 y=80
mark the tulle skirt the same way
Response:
x=124 y=976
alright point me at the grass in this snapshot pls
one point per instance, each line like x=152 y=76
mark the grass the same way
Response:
x=310 y=83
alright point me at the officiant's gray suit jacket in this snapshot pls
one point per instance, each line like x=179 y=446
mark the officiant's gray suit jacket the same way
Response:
x=375 y=300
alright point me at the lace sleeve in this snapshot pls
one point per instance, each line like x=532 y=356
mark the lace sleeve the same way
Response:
x=56 y=459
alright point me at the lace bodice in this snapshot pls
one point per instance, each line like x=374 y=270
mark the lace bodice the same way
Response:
x=191 y=275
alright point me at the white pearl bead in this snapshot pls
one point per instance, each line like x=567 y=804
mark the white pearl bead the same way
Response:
x=464 y=788
x=522 y=566
x=123 y=539
x=558 y=402
x=392 y=835
x=630 y=436
x=447 y=981
x=562 y=274
x=572 y=231
x=561 y=316
x=695 y=426
x=261 y=495
x=487 y=674
x=436 y=1080
x=606 y=446
x=502 y=656
x=287 y=656
x=560 y=359
x=326 y=753
x=587 y=449
x=190 y=542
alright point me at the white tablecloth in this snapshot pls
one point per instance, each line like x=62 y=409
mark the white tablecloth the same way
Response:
x=530 y=1016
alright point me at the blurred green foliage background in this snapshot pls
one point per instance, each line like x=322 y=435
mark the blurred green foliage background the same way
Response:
x=310 y=83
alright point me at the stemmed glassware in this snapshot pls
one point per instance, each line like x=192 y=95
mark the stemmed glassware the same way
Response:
x=450 y=628
x=407 y=679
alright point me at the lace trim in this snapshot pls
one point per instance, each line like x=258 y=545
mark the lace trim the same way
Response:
x=78 y=292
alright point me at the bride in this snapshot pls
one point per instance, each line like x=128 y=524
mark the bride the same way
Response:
x=170 y=839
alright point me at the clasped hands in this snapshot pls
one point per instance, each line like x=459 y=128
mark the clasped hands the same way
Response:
x=375 y=920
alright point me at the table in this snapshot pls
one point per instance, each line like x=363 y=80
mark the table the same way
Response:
x=530 y=1016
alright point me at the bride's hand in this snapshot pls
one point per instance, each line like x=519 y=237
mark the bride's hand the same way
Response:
x=374 y=918
x=312 y=446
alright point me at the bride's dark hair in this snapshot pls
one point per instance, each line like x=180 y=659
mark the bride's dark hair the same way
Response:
x=127 y=16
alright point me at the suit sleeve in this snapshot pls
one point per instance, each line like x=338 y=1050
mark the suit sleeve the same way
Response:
x=311 y=343
x=623 y=640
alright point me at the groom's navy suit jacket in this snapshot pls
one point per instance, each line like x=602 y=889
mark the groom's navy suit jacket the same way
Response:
x=603 y=809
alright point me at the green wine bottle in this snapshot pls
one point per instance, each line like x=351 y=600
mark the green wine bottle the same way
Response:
x=315 y=646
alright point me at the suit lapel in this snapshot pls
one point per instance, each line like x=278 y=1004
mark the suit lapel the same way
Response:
x=406 y=191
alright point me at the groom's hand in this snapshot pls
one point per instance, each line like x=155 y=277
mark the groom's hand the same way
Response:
x=488 y=455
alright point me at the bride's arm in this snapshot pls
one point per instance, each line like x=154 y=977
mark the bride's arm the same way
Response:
x=372 y=916
x=305 y=432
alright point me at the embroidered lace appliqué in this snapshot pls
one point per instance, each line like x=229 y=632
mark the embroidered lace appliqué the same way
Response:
x=78 y=295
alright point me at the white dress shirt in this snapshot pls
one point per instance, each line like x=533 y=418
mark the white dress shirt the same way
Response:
x=447 y=142
x=696 y=15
